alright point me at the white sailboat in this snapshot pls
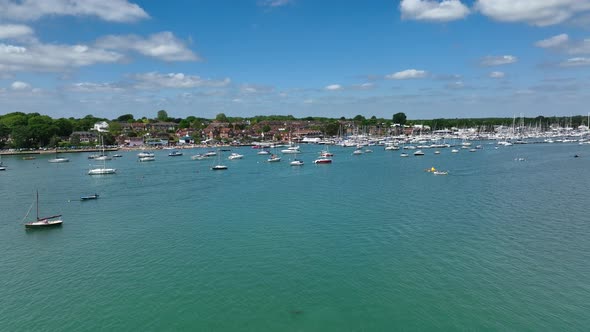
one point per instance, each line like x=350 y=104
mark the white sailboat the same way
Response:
x=218 y=166
x=102 y=170
x=58 y=159
x=2 y=167
x=43 y=222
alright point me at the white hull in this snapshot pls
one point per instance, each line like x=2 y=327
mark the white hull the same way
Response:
x=44 y=223
x=59 y=160
x=102 y=171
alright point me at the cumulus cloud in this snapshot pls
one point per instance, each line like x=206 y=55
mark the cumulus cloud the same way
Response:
x=433 y=10
x=575 y=62
x=498 y=60
x=108 y=10
x=52 y=57
x=20 y=86
x=333 y=87
x=533 y=12
x=163 y=45
x=564 y=44
x=274 y=3
x=553 y=42
x=497 y=74
x=407 y=74
x=154 y=80
x=14 y=31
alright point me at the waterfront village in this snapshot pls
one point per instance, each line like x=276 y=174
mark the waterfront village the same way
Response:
x=33 y=131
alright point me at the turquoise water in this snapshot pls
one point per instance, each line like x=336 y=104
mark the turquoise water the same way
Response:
x=368 y=243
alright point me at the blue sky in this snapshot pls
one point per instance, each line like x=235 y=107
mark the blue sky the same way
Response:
x=330 y=58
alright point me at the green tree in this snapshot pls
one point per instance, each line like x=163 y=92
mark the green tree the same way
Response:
x=399 y=118
x=21 y=137
x=127 y=117
x=266 y=128
x=162 y=115
x=332 y=128
x=359 y=118
x=115 y=128
x=221 y=117
x=64 y=127
x=75 y=140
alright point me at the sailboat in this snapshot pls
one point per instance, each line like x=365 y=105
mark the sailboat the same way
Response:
x=296 y=162
x=2 y=167
x=102 y=170
x=58 y=159
x=52 y=221
x=218 y=166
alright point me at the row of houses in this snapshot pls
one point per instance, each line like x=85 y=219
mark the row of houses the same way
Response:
x=161 y=133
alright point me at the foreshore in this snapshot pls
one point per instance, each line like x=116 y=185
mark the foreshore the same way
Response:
x=95 y=149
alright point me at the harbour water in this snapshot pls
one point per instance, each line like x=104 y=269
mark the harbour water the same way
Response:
x=368 y=243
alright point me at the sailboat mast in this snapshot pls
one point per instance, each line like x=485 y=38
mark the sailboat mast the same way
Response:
x=37 y=204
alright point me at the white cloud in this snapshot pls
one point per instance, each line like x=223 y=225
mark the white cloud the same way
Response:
x=553 y=42
x=108 y=10
x=52 y=57
x=533 y=12
x=364 y=86
x=333 y=87
x=274 y=3
x=407 y=74
x=433 y=10
x=455 y=85
x=163 y=45
x=15 y=31
x=564 y=44
x=94 y=87
x=575 y=62
x=498 y=60
x=154 y=80
x=497 y=74
x=255 y=89
x=20 y=86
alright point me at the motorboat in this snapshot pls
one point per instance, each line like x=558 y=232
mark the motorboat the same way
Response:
x=89 y=197
x=291 y=149
x=175 y=153
x=143 y=159
x=323 y=161
x=326 y=154
x=59 y=160
x=274 y=158
x=404 y=155
x=234 y=155
x=418 y=153
x=296 y=162
x=440 y=172
x=219 y=167
x=145 y=154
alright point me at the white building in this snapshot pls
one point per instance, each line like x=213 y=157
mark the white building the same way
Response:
x=101 y=127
